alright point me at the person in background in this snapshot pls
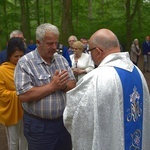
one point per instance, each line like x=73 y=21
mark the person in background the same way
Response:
x=31 y=45
x=11 y=112
x=42 y=79
x=81 y=62
x=109 y=109
x=121 y=48
x=135 y=51
x=71 y=40
x=63 y=50
x=146 y=50
x=85 y=43
x=15 y=33
x=3 y=56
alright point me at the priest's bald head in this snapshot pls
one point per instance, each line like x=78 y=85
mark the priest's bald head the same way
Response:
x=102 y=43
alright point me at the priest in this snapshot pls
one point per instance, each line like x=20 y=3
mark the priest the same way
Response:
x=109 y=109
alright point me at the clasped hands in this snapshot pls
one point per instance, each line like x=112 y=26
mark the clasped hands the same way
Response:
x=60 y=79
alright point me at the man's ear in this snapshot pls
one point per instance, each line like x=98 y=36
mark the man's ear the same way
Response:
x=37 y=42
x=99 y=52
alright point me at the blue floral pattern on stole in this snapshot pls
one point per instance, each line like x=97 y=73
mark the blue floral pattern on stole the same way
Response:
x=136 y=140
x=133 y=108
x=133 y=115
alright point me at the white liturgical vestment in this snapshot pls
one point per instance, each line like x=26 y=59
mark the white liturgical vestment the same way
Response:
x=109 y=109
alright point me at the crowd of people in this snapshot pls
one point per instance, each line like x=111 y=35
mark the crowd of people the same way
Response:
x=136 y=51
x=91 y=95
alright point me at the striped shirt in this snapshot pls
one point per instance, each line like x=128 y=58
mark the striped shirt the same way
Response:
x=32 y=71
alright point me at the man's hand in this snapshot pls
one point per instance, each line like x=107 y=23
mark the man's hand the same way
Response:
x=59 y=80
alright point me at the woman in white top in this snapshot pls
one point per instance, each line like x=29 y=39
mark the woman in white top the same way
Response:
x=81 y=62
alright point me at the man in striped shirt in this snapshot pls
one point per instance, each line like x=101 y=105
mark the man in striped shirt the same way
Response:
x=42 y=77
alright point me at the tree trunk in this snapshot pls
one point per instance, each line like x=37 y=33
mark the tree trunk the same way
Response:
x=139 y=17
x=129 y=19
x=5 y=20
x=24 y=21
x=128 y=26
x=28 y=19
x=77 y=12
x=52 y=12
x=66 y=27
x=37 y=12
x=44 y=11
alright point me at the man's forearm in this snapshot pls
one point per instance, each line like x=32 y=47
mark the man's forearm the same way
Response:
x=36 y=93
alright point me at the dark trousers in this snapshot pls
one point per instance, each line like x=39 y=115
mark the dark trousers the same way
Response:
x=47 y=134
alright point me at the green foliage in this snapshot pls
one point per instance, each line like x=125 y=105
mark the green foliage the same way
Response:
x=87 y=17
x=103 y=15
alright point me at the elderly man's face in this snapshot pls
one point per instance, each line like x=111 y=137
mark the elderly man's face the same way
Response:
x=48 y=46
x=71 y=40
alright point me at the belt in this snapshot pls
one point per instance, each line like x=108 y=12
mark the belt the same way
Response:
x=37 y=117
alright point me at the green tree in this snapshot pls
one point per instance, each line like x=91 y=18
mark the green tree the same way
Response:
x=66 y=25
x=24 y=19
x=130 y=14
x=128 y=19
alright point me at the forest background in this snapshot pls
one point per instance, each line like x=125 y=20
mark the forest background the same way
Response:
x=128 y=19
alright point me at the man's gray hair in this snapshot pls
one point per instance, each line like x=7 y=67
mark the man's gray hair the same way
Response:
x=15 y=32
x=73 y=36
x=43 y=28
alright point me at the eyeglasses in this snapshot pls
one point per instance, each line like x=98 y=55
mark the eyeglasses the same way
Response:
x=91 y=49
x=94 y=48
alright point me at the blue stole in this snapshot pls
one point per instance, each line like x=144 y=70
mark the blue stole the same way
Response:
x=133 y=108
